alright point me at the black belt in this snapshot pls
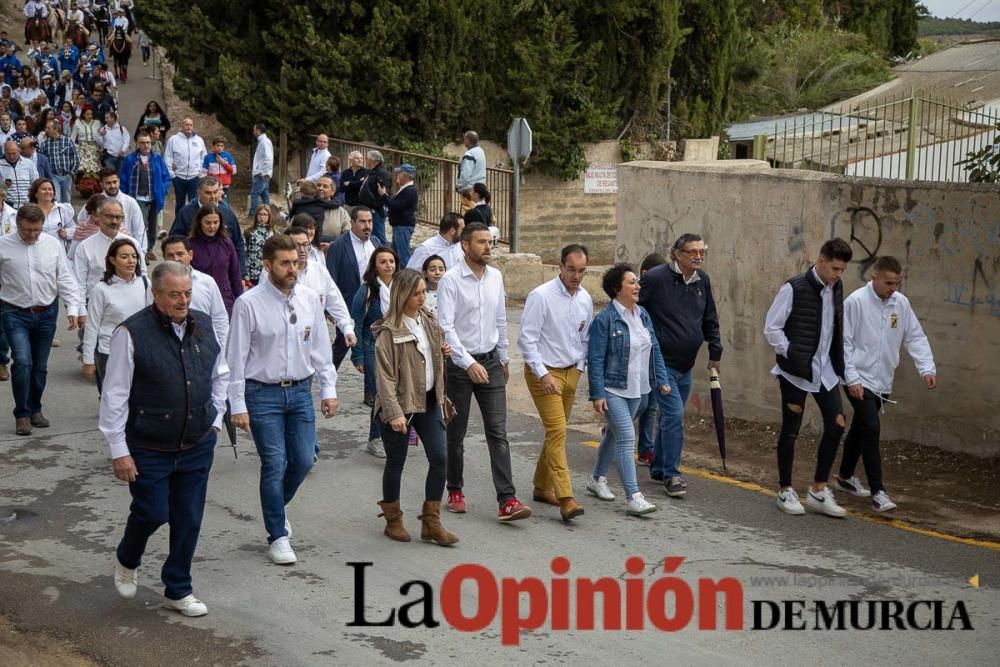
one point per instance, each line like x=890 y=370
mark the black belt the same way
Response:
x=281 y=383
x=30 y=309
x=485 y=356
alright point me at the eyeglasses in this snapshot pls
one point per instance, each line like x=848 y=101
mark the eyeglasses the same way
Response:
x=292 y=317
x=117 y=218
x=696 y=253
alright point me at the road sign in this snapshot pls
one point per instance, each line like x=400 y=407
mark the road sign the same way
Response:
x=519 y=140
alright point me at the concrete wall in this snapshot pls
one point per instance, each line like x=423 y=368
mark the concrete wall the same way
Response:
x=764 y=225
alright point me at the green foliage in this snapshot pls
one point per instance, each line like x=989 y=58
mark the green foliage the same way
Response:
x=984 y=165
x=395 y=71
x=890 y=25
x=628 y=150
x=930 y=27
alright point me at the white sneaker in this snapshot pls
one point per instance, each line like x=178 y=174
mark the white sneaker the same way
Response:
x=852 y=485
x=126 y=580
x=881 y=502
x=824 y=503
x=280 y=552
x=599 y=487
x=638 y=505
x=375 y=448
x=788 y=502
x=188 y=605
x=288 y=529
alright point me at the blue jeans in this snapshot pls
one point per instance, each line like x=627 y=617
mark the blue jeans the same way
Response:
x=649 y=417
x=4 y=346
x=378 y=229
x=64 y=187
x=259 y=193
x=30 y=337
x=283 y=424
x=148 y=211
x=618 y=442
x=401 y=243
x=185 y=190
x=667 y=452
x=170 y=489
x=374 y=428
x=113 y=161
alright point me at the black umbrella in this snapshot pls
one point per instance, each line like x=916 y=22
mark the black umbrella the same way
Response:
x=231 y=430
x=717 y=412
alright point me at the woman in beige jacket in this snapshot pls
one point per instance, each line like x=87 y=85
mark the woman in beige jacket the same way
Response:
x=409 y=378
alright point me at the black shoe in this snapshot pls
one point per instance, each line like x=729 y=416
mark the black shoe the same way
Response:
x=676 y=488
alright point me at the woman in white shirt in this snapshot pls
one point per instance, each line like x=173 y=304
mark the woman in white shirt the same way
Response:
x=122 y=292
x=59 y=220
x=624 y=365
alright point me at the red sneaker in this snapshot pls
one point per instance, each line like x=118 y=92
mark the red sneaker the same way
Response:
x=456 y=502
x=645 y=459
x=512 y=510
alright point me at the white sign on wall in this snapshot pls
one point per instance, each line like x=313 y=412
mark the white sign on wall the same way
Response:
x=601 y=178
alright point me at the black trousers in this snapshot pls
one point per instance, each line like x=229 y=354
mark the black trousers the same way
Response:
x=429 y=425
x=862 y=440
x=831 y=408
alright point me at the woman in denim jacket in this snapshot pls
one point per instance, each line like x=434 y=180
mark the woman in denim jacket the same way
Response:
x=624 y=365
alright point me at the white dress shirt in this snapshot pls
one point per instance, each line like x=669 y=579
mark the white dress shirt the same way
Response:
x=416 y=327
x=118 y=385
x=60 y=217
x=317 y=278
x=362 y=252
x=90 y=259
x=640 y=344
x=265 y=346
x=472 y=313
x=263 y=157
x=133 y=225
x=110 y=305
x=874 y=330
x=823 y=374
x=8 y=219
x=116 y=139
x=317 y=164
x=34 y=275
x=438 y=245
x=184 y=155
x=206 y=297
x=555 y=327
x=384 y=292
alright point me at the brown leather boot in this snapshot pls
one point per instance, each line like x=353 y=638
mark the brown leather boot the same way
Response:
x=546 y=496
x=569 y=509
x=431 y=529
x=394 y=529
x=23 y=426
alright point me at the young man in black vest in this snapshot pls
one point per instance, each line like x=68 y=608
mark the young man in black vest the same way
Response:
x=805 y=326
x=162 y=406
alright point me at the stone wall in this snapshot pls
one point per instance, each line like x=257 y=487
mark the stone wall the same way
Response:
x=764 y=225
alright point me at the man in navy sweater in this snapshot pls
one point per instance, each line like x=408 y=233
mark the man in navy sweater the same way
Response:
x=402 y=210
x=678 y=297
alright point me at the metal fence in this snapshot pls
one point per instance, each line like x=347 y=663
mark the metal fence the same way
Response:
x=436 y=183
x=908 y=137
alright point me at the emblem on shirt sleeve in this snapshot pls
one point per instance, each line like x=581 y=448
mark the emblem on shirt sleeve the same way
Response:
x=893 y=320
x=307 y=334
x=583 y=323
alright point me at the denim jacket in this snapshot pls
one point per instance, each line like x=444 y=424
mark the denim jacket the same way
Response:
x=365 y=315
x=607 y=360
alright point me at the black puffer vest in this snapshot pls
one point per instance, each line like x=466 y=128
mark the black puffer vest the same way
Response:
x=805 y=323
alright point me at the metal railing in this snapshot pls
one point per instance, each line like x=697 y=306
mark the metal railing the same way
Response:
x=908 y=137
x=436 y=183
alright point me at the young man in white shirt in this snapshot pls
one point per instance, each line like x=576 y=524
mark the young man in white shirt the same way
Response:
x=805 y=327
x=116 y=140
x=878 y=319
x=446 y=244
x=472 y=313
x=263 y=167
x=278 y=341
x=34 y=275
x=554 y=337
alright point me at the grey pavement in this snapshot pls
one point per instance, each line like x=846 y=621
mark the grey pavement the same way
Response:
x=56 y=557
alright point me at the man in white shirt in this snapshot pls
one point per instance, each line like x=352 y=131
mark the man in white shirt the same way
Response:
x=17 y=173
x=805 y=327
x=554 y=338
x=472 y=313
x=263 y=167
x=135 y=224
x=317 y=159
x=34 y=275
x=184 y=153
x=205 y=294
x=317 y=278
x=161 y=410
x=89 y=260
x=472 y=167
x=8 y=225
x=346 y=261
x=446 y=244
x=878 y=319
x=278 y=341
x=115 y=140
